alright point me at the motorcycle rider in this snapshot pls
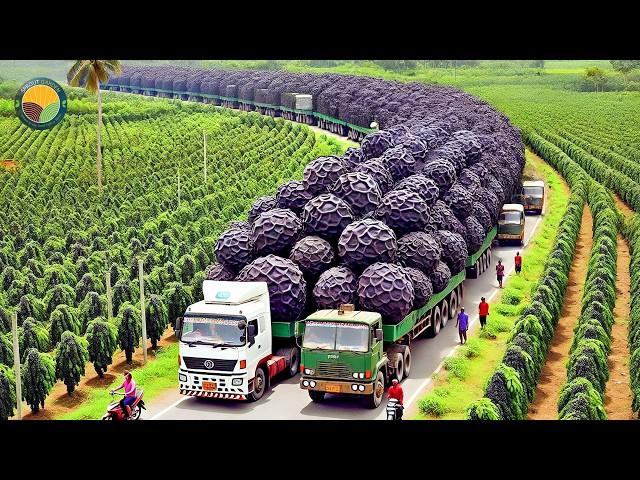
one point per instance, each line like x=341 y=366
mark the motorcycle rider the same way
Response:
x=129 y=398
x=395 y=391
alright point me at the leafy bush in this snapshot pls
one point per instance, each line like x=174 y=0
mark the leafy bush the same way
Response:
x=38 y=378
x=71 y=355
x=102 y=338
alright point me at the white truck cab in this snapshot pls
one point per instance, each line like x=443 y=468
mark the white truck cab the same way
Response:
x=226 y=348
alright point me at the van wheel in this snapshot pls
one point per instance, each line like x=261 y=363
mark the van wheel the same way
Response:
x=316 y=396
x=375 y=399
x=434 y=329
x=259 y=385
x=444 y=313
x=407 y=362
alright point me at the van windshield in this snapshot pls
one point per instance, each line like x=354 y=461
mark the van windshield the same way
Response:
x=535 y=192
x=220 y=330
x=352 y=337
x=509 y=217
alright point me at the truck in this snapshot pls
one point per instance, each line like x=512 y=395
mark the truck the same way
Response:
x=228 y=346
x=350 y=352
x=533 y=196
x=511 y=223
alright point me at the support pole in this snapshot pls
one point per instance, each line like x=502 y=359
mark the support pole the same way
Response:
x=143 y=313
x=109 y=301
x=16 y=364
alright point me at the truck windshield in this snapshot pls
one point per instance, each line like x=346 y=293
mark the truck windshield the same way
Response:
x=351 y=337
x=509 y=217
x=222 y=330
x=535 y=192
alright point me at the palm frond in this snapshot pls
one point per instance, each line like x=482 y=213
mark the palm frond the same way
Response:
x=114 y=66
x=77 y=72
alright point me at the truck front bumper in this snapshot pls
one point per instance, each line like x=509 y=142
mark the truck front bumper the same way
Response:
x=507 y=236
x=336 y=386
x=210 y=385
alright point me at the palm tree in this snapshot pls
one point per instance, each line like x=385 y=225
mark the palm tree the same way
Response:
x=90 y=74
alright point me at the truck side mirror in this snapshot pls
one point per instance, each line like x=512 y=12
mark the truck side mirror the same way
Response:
x=378 y=334
x=178 y=329
x=251 y=332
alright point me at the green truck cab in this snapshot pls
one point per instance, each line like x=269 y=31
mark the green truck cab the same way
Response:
x=352 y=352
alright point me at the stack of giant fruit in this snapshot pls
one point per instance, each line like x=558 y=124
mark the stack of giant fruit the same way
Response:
x=385 y=226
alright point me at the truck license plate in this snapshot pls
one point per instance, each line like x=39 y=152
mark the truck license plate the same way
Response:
x=332 y=388
x=209 y=386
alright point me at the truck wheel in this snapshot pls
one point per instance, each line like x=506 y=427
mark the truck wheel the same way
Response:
x=453 y=305
x=316 y=396
x=375 y=399
x=407 y=362
x=444 y=312
x=294 y=364
x=489 y=256
x=434 y=329
x=259 y=385
x=399 y=372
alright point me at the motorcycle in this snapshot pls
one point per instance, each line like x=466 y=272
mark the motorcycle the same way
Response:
x=394 y=409
x=115 y=412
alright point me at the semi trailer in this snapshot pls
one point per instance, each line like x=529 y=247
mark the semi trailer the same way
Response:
x=351 y=352
x=229 y=347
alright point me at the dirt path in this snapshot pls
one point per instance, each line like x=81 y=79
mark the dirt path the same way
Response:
x=554 y=372
x=618 y=397
x=59 y=402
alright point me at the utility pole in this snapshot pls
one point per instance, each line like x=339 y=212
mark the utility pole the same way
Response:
x=205 y=159
x=109 y=302
x=143 y=313
x=16 y=364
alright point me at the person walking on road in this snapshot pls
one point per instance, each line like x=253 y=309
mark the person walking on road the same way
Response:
x=518 y=262
x=500 y=272
x=463 y=325
x=395 y=391
x=483 y=311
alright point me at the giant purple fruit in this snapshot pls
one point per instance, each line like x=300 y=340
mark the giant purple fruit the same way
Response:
x=292 y=195
x=399 y=162
x=470 y=144
x=422 y=185
x=367 y=241
x=474 y=233
x=440 y=277
x=454 y=250
x=460 y=200
x=416 y=147
x=376 y=143
x=335 y=286
x=451 y=152
x=313 y=254
x=261 y=205
x=353 y=157
x=379 y=172
x=234 y=248
x=489 y=200
x=419 y=250
x=327 y=216
x=387 y=289
x=404 y=211
x=286 y=284
x=444 y=218
x=440 y=171
x=422 y=288
x=276 y=231
x=359 y=190
x=240 y=224
x=469 y=180
x=322 y=173
x=219 y=272
x=482 y=215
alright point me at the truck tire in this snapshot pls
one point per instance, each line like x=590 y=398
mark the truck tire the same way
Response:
x=407 y=362
x=444 y=312
x=434 y=329
x=316 y=396
x=294 y=364
x=375 y=399
x=259 y=385
x=399 y=371
x=489 y=256
x=453 y=304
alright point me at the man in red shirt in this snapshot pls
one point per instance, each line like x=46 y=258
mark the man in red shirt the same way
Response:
x=395 y=391
x=518 y=262
x=483 y=311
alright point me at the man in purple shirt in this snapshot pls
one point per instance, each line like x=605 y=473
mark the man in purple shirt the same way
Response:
x=463 y=325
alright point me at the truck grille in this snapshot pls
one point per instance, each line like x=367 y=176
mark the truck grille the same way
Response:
x=333 y=370
x=194 y=363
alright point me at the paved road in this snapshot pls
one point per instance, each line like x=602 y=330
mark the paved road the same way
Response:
x=287 y=401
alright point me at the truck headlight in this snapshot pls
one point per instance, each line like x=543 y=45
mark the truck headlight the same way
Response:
x=182 y=377
x=355 y=374
x=236 y=382
x=312 y=383
x=309 y=371
x=305 y=383
x=354 y=388
x=361 y=388
x=361 y=375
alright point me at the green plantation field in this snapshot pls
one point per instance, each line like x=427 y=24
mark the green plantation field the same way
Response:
x=62 y=236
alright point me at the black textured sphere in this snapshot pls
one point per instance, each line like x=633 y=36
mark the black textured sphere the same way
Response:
x=416 y=147
x=404 y=211
x=482 y=215
x=454 y=250
x=219 y=272
x=422 y=288
x=422 y=185
x=261 y=205
x=240 y=224
x=322 y=173
x=353 y=157
x=440 y=277
x=276 y=231
x=444 y=218
x=460 y=200
x=292 y=195
x=474 y=233
x=286 y=284
x=234 y=248
x=419 y=250
x=326 y=216
x=376 y=143
x=313 y=254
x=365 y=242
x=359 y=190
x=440 y=171
x=387 y=289
x=335 y=286
x=379 y=172
x=399 y=162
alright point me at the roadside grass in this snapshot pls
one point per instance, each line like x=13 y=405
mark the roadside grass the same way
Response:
x=154 y=378
x=465 y=374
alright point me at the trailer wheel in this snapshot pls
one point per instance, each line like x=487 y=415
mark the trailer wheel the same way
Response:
x=375 y=399
x=489 y=256
x=316 y=396
x=399 y=372
x=434 y=329
x=453 y=304
x=407 y=361
x=259 y=385
x=444 y=312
